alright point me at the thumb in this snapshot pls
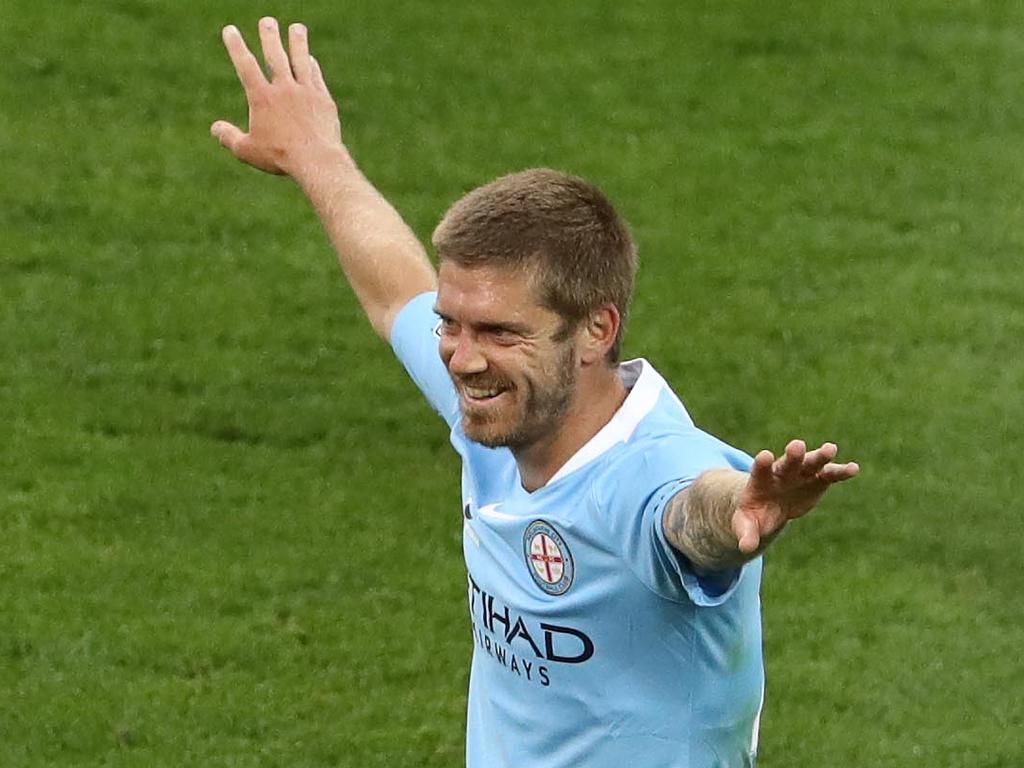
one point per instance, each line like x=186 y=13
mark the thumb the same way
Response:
x=748 y=532
x=229 y=136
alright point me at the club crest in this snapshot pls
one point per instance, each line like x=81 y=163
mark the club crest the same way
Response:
x=547 y=558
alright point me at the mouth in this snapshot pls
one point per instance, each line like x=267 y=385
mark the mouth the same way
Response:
x=481 y=397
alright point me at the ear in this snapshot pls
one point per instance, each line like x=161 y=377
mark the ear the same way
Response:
x=598 y=333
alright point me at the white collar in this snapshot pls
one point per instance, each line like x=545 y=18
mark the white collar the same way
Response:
x=645 y=387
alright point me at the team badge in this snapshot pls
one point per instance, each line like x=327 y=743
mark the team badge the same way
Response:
x=548 y=558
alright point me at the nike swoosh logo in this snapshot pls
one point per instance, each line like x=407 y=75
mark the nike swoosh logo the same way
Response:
x=492 y=511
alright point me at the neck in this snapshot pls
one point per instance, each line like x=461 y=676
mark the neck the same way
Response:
x=592 y=407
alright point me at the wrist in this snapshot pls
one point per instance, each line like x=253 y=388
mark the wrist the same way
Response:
x=315 y=164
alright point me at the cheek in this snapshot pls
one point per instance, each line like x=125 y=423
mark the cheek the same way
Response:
x=512 y=363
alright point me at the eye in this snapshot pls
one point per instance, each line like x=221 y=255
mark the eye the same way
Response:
x=501 y=334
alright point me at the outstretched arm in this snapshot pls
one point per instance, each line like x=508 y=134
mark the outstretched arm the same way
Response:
x=294 y=130
x=725 y=518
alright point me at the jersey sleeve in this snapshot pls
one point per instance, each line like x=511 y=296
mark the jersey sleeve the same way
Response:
x=632 y=502
x=414 y=340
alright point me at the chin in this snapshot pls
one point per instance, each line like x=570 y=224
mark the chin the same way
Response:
x=487 y=434
x=502 y=435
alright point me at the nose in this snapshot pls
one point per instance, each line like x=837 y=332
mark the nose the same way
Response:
x=462 y=354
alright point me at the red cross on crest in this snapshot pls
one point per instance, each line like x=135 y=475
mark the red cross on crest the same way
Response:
x=546 y=558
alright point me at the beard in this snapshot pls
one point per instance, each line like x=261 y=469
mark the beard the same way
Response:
x=537 y=410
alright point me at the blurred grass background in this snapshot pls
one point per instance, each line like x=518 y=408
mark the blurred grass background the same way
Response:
x=229 y=528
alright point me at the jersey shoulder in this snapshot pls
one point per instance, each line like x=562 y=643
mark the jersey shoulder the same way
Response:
x=632 y=486
x=667 y=446
x=414 y=340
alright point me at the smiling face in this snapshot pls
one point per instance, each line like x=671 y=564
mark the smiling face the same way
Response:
x=513 y=361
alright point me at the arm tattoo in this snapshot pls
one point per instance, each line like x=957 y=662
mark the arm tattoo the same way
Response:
x=698 y=521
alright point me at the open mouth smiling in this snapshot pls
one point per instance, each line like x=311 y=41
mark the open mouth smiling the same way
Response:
x=481 y=395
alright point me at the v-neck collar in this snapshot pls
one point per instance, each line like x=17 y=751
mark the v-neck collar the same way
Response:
x=645 y=386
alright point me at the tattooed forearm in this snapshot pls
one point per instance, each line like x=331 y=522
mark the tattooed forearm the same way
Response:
x=698 y=521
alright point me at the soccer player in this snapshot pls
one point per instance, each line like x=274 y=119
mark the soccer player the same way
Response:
x=613 y=548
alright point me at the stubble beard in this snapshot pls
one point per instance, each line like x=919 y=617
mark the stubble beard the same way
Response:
x=540 y=410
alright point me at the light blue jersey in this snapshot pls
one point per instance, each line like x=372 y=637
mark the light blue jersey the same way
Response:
x=595 y=644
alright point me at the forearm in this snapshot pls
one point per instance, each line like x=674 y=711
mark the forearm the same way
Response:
x=380 y=255
x=698 y=521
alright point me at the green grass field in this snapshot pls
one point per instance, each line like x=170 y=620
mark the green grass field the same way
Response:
x=229 y=528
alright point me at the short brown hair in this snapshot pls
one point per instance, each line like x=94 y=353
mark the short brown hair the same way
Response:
x=561 y=229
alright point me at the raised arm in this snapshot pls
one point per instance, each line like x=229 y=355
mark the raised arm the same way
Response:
x=294 y=130
x=725 y=518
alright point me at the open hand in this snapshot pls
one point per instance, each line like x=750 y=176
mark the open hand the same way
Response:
x=293 y=121
x=781 y=490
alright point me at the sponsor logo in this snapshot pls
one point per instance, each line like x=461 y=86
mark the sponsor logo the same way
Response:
x=548 y=558
x=521 y=643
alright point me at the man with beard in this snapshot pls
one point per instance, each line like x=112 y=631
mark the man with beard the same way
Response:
x=613 y=548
